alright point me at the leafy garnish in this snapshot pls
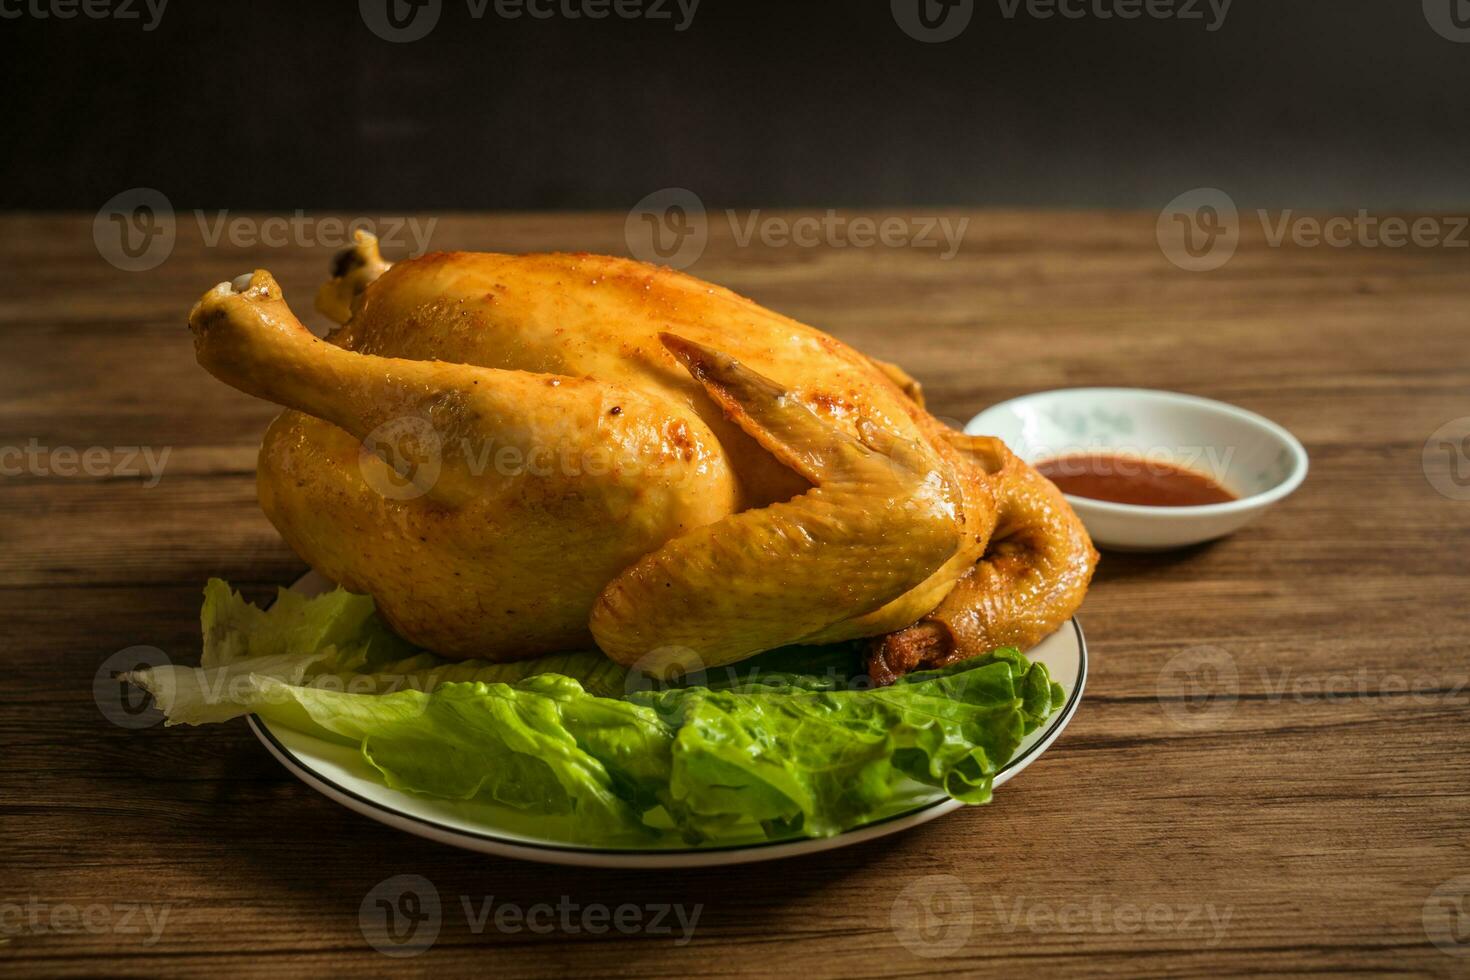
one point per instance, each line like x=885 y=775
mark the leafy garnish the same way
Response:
x=810 y=749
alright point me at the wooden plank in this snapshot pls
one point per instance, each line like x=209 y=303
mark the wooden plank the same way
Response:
x=1298 y=820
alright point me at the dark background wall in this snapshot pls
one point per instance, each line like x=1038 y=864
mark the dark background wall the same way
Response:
x=1300 y=103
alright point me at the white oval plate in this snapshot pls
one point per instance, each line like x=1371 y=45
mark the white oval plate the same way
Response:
x=340 y=774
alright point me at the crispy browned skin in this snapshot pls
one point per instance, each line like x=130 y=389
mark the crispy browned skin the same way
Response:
x=1032 y=578
x=692 y=478
x=467 y=557
x=829 y=504
x=884 y=513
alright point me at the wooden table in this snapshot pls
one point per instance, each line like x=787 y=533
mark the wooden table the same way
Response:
x=1300 y=826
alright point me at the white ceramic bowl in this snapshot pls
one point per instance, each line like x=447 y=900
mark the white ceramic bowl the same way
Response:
x=1253 y=457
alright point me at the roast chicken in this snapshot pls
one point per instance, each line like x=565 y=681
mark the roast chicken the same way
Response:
x=523 y=454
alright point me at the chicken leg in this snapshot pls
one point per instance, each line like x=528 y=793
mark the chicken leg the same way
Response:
x=1031 y=579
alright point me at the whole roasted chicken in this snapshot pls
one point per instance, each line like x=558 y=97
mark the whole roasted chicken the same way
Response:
x=523 y=454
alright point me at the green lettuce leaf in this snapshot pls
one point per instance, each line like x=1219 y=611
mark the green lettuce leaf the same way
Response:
x=334 y=641
x=797 y=755
x=757 y=752
x=542 y=745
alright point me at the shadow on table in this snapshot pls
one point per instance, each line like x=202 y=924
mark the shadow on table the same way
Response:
x=1119 y=565
x=346 y=872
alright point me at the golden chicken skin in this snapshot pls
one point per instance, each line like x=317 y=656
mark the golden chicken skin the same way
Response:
x=522 y=454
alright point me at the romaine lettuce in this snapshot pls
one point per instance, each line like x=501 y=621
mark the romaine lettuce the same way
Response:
x=813 y=752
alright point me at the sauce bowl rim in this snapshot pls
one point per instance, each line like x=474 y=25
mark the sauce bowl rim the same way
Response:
x=1299 y=460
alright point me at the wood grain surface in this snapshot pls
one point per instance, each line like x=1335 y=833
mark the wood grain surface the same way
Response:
x=1311 y=816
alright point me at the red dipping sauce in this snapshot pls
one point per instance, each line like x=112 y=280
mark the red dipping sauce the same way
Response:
x=1122 y=479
